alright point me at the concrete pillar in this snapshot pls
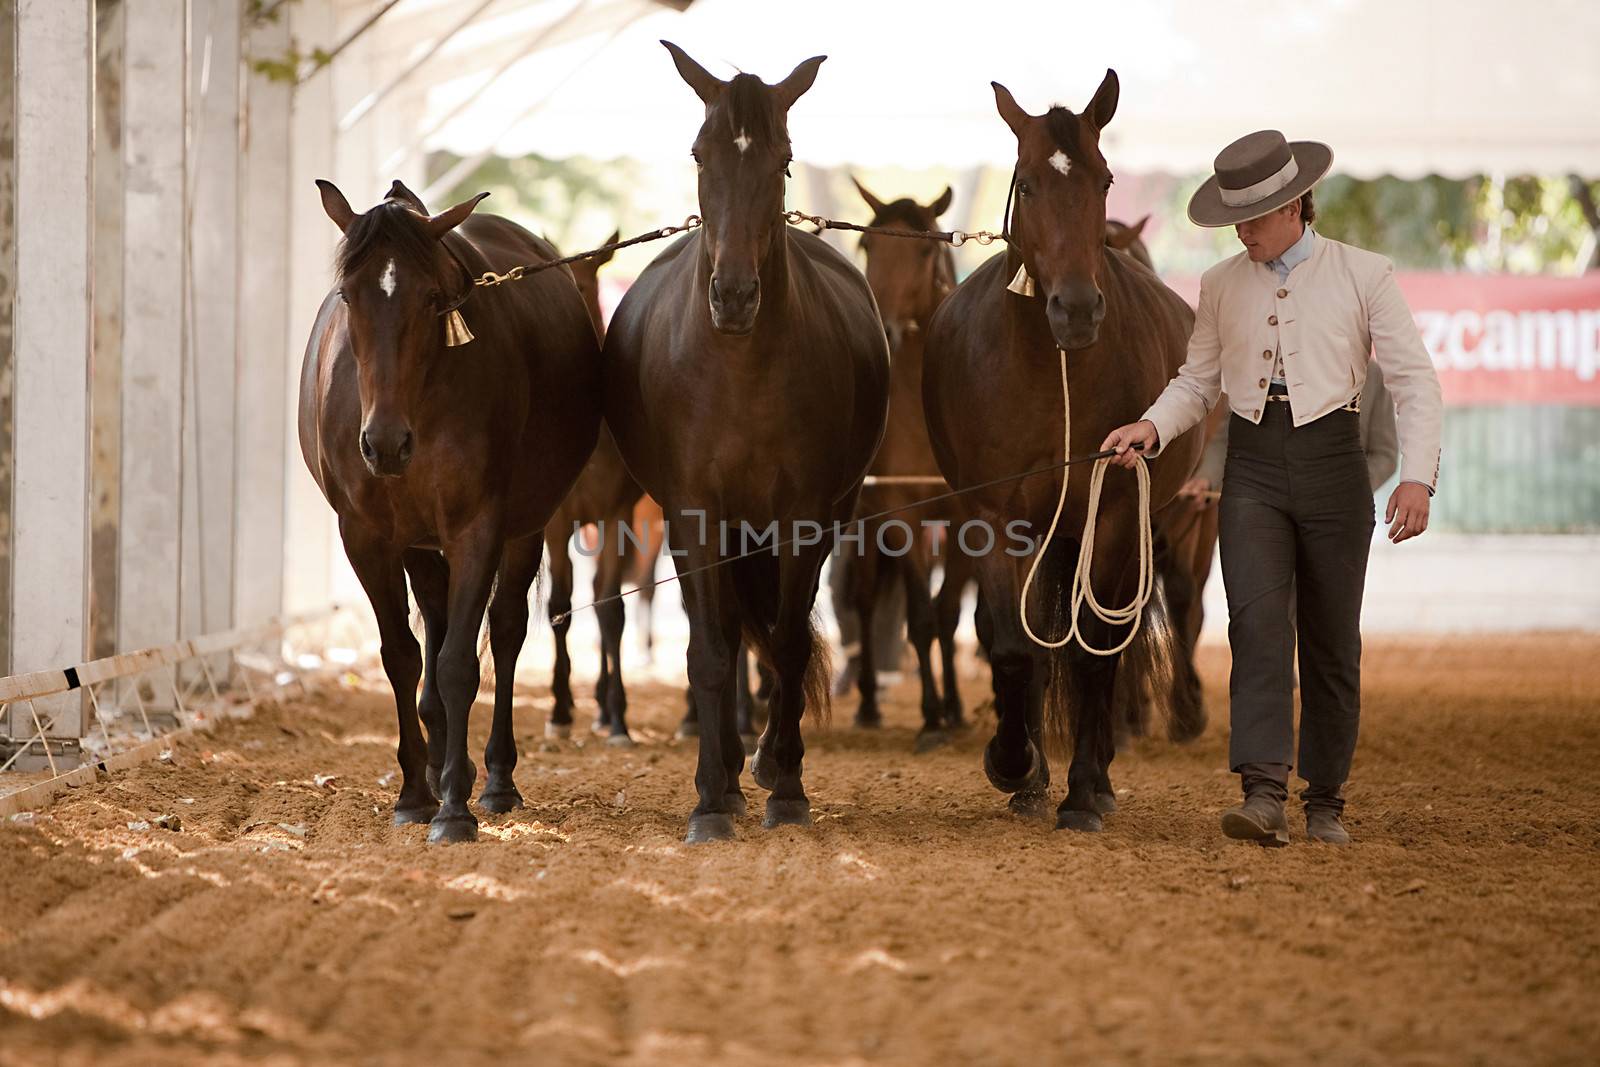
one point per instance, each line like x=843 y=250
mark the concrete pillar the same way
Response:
x=105 y=386
x=260 y=440
x=8 y=289
x=54 y=169
x=310 y=532
x=155 y=98
x=210 y=415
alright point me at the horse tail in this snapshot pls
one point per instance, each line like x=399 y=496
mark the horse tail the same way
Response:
x=755 y=588
x=1144 y=668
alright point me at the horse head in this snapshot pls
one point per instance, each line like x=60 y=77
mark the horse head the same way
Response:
x=1059 y=215
x=397 y=282
x=908 y=277
x=742 y=152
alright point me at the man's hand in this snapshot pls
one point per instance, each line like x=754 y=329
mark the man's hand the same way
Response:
x=1407 y=514
x=1197 y=492
x=1127 y=439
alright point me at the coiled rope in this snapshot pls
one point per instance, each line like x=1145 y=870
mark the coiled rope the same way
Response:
x=1082 y=593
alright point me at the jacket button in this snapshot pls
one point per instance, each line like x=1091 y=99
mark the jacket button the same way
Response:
x=1272 y=320
x=1282 y=293
x=1262 y=383
x=1258 y=413
x=1267 y=354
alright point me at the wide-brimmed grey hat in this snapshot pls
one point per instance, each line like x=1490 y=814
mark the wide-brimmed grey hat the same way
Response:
x=1257 y=174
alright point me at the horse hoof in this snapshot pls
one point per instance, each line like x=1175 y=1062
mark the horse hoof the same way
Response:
x=1084 y=822
x=788 y=812
x=500 y=801
x=559 y=730
x=452 y=830
x=735 y=803
x=1105 y=803
x=411 y=814
x=712 y=826
x=749 y=743
x=762 y=771
x=621 y=740
x=688 y=729
x=1005 y=783
x=928 y=740
x=872 y=720
x=1030 y=804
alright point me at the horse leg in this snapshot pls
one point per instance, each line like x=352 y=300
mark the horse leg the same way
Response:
x=474 y=555
x=613 y=618
x=920 y=627
x=864 y=574
x=782 y=748
x=713 y=646
x=745 y=700
x=1091 y=694
x=430 y=582
x=508 y=629
x=957 y=569
x=1013 y=760
x=1188 y=718
x=560 y=722
x=378 y=566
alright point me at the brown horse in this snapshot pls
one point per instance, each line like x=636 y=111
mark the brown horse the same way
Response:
x=1185 y=538
x=445 y=462
x=604 y=495
x=909 y=278
x=1128 y=238
x=746 y=379
x=994 y=407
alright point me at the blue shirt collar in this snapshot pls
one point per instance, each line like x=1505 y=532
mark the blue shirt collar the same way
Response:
x=1294 y=255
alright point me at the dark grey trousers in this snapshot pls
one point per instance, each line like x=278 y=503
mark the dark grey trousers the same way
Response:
x=1295 y=529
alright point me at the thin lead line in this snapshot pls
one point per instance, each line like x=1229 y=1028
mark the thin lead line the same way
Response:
x=556 y=620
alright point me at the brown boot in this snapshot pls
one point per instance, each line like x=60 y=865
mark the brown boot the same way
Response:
x=1261 y=817
x=1324 y=806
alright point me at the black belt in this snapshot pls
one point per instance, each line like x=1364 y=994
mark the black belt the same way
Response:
x=1277 y=389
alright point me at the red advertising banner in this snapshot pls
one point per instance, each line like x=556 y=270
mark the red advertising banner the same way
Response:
x=1503 y=338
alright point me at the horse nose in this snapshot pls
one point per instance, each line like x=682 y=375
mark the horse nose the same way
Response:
x=734 y=300
x=387 y=450
x=1075 y=312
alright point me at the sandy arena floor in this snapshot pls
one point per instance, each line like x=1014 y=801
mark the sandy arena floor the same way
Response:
x=916 y=923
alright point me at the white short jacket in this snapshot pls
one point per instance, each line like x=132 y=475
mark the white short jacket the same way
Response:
x=1335 y=309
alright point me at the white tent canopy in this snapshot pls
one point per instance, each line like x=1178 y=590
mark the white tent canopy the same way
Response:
x=1404 y=87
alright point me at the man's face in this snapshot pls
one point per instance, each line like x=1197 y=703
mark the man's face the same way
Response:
x=1271 y=235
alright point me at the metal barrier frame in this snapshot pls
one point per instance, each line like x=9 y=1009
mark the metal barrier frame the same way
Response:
x=30 y=687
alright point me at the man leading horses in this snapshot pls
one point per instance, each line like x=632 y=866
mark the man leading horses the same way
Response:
x=1285 y=328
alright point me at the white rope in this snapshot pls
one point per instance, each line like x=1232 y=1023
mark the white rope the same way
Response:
x=1082 y=588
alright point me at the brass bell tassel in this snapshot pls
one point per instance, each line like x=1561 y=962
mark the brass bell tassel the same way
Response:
x=455 y=329
x=1022 y=284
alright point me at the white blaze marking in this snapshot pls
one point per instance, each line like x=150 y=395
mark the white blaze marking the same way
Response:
x=1061 y=162
x=743 y=141
x=386 y=283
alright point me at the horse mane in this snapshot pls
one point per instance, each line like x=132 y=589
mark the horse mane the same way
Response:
x=749 y=106
x=392 y=226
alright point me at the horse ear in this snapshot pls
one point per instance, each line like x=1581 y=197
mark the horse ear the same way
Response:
x=337 y=207
x=1009 y=109
x=443 y=223
x=1120 y=236
x=706 y=85
x=799 y=80
x=873 y=202
x=941 y=205
x=1104 y=104
x=398 y=191
x=1138 y=228
x=605 y=257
